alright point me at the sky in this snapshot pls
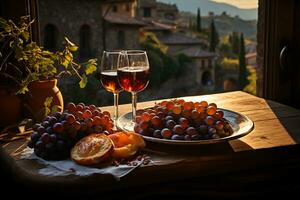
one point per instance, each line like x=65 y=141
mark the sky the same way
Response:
x=240 y=3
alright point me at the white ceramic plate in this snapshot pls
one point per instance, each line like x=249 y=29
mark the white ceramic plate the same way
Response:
x=240 y=124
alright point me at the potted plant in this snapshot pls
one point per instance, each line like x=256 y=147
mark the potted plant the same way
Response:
x=29 y=71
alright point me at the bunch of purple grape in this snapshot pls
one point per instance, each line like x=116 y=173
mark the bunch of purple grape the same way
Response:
x=180 y=120
x=57 y=134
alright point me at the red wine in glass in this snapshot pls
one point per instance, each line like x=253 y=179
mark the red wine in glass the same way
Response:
x=109 y=78
x=133 y=79
x=110 y=82
x=133 y=75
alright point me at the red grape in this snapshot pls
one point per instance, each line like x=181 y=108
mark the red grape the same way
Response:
x=211 y=110
x=166 y=133
x=79 y=107
x=178 y=129
x=146 y=116
x=209 y=120
x=70 y=118
x=106 y=113
x=155 y=121
x=71 y=107
x=87 y=114
x=58 y=128
x=183 y=122
x=204 y=104
x=219 y=125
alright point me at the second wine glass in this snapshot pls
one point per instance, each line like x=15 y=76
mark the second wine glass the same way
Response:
x=109 y=79
x=133 y=76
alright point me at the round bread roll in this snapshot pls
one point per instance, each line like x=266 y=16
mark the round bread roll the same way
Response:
x=92 y=149
x=126 y=144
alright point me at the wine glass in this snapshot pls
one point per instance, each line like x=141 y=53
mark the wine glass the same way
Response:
x=133 y=76
x=109 y=79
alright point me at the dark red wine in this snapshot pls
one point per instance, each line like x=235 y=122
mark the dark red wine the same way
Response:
x=133 y=79
x=109 y=80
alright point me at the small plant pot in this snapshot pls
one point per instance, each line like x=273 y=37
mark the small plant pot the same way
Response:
x=34 y=100
x=10 y=107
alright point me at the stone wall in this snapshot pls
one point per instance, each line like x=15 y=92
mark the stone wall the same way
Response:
x=68 y=16
x=131 y=37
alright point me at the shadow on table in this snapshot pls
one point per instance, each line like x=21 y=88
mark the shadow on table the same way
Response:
x=197 y=150
x=288 y=117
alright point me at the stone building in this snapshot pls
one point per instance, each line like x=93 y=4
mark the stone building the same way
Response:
x=79 y=20
x=93 y=25
x=120 y=26
x=149 y=10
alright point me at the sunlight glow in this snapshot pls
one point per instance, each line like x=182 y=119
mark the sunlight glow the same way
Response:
x=246 y=4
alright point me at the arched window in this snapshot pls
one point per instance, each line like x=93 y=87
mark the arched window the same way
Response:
x=206 y=79
x=121 y=39
x=115 y=8
x=50 y=37
x=85 y=42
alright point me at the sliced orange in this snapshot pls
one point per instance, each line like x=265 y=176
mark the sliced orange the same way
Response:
x=126 y=144
x=92 y=149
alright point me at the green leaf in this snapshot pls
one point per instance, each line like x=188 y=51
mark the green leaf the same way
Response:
x=83 y=81
x=71 y=45
x=54 y=109
x=25 y=34
x=90 y=68
x=47 y=105
x=48 y=101
x=23 y=90
x=67 y=58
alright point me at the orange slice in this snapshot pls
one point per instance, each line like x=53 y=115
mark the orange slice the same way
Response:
x=92 y=149
x=126 y=144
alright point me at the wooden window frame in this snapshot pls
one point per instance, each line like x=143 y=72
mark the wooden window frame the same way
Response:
x=278 y=79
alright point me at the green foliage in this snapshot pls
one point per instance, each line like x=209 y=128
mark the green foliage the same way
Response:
x=163 y=67
x=234 y=41
x=243 y=74
x=23 y=61
x=251 y=87
x=230 y=64
x=199 y=27
x=214 y=37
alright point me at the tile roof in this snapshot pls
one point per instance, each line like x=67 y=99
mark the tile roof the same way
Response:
x=156 y=26
x=115 y=18
x=180 y=38
x=197 y=52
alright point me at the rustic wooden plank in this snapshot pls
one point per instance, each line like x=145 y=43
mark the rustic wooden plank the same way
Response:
x=274 y=133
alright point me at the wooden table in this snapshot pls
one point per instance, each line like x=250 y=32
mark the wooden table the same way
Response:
x=269 y=154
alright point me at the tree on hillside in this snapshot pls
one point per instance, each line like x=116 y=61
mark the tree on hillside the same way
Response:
x=214 y=37
x=235 y=43
x=199 y=20
x=243 y=74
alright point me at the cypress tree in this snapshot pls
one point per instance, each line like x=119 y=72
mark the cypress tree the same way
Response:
x=199 y=20
x=243 y=73
x=214 y=37
x=235 y=43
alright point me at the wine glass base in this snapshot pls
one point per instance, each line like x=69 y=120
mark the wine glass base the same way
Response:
x=125 y=122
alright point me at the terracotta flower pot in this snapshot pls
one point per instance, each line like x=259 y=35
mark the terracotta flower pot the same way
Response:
x=38 y=93
x=10 y=107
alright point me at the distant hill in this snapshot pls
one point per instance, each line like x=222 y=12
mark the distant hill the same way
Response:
x=207 y=6
x=225 y=24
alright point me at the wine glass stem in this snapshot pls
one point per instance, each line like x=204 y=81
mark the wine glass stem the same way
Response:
x=134 y=99
x=116 y=114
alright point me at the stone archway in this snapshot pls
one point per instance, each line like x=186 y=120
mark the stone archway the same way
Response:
x=51 y=34
x=85 y=42
x=206 y=78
